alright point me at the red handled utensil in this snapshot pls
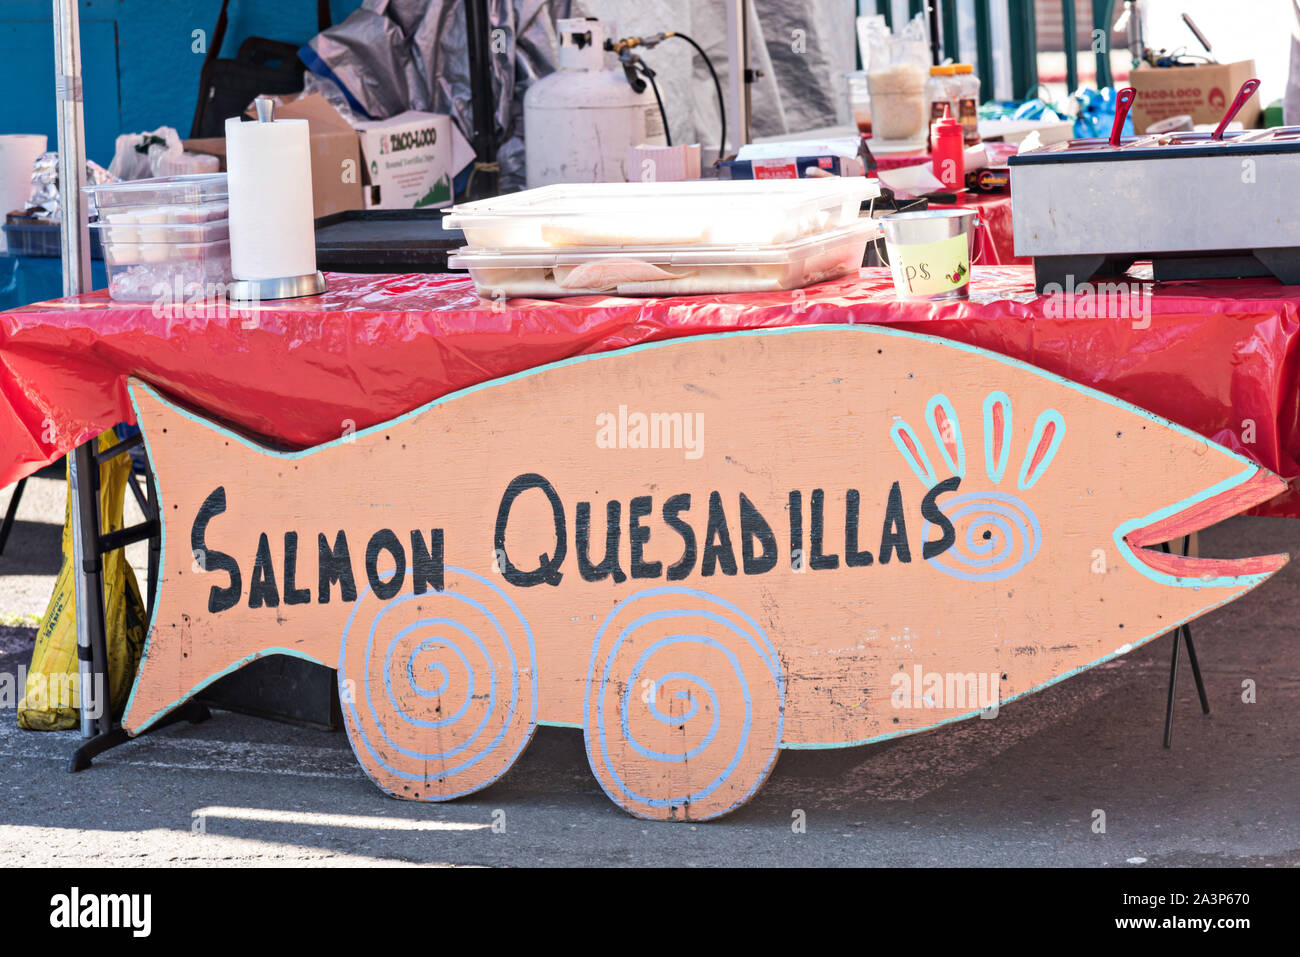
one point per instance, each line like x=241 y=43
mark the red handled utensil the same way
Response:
x=1123 y=100
x=1247 y=90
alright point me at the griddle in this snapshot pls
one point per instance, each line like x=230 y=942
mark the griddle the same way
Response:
x=1197 y=205
x=385 y=240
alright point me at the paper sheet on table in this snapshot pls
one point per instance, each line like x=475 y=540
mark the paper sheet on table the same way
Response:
x=910 y=181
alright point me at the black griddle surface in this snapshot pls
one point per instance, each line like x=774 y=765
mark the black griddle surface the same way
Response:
x=385 y=240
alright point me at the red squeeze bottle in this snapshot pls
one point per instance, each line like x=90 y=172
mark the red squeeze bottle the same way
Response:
x=949 y=151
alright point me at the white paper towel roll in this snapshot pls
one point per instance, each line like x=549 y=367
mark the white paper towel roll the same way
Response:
x=272 y=233
x=18 y=151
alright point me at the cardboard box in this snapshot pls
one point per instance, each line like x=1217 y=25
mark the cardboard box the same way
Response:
x=793 y=167
x=212 y=146
x=335 y=155
x=1203 y=92
x=410 y=160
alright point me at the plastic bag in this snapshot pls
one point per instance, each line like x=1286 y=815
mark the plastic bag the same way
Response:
x=1097 y=113
x=52 y=694
x=131 y=152
x=159 y=153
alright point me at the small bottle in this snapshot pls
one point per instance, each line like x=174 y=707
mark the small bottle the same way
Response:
x=968 y=102
x=949 y=161
x=940 y=92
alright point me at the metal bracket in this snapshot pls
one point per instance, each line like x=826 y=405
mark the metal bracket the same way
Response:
x=67 y=88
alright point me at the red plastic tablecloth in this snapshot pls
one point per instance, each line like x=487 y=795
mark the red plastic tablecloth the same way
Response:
x=1218 y=357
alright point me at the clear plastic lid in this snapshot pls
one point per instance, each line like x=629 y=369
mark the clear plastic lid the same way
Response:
x=178 y=214
x=698 y=212
x=757 y=254
x=160 y=191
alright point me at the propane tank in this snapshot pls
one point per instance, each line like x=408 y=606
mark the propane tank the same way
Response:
x=580 y=120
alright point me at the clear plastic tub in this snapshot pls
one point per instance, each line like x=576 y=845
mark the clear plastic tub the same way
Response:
x=153 y=272
x=666 y=270
x=695 y=213
x=162 y=191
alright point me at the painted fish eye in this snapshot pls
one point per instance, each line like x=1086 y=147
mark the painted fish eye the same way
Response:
x=997 y=534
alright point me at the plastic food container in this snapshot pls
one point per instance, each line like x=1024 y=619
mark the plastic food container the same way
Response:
x=163 y=236
x=859 y=100
x=174 y=273
x=198 y=190
x=666 y=270
x=898 y=102
x=696 y=213
x=150 y=261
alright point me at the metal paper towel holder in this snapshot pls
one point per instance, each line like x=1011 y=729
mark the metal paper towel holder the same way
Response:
x=289 y=287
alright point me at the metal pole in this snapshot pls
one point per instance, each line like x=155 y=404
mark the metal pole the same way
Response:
x=75 y=245
x=74 y=235
x=984 y=50
x=1070 y=34
x=84 y=588
x=1103 y=15
x=1024 y=48
x=932 y=19
x=951 y=31
x=478 y=41
x=738 y=132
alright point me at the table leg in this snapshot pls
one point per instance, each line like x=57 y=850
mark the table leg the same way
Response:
x=1173 y=685
x=88 y=547
x=1196 y=670
x=1184 y=632
x=92 y=644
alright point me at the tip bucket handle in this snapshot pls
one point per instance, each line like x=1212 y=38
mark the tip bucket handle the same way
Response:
x=977 y=225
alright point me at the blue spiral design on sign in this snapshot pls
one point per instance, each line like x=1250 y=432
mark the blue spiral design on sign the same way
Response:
x=704 y=621
x=451 y=654
x=997 y=536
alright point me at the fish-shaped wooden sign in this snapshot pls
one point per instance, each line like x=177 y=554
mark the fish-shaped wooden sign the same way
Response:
x=698 y=551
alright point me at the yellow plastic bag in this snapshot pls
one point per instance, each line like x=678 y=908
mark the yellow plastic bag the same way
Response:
x=52 y=694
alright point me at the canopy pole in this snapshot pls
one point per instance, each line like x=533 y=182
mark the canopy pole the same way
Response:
x=738 y=132
x=74 y=245
x=73 y=234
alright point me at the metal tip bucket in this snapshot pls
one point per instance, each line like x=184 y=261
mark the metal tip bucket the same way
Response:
x=930 y=252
